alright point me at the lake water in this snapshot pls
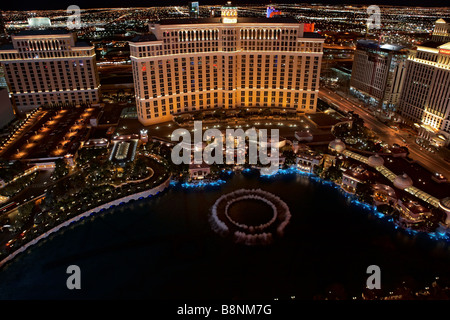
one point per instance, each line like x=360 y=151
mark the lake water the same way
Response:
x=163 y=247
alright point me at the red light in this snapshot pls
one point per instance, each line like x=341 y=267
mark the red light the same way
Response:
x=308 y=27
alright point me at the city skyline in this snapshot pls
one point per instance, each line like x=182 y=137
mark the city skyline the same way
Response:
x=84 y=4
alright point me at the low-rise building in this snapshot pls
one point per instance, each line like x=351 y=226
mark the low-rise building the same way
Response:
x=199 y=171
x=353 y=176
x=307 y=160
x=412 y=213
x=383 y=194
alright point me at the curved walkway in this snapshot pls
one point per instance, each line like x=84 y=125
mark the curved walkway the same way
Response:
x=391 y=176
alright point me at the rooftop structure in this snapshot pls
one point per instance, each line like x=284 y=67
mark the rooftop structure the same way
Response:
x=375 y=161
x=403 y=181
x=337 y=146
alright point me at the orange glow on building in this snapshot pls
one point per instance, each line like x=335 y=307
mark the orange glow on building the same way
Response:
x=309 y=27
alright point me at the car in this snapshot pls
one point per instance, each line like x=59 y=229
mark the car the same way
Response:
x=10 y=243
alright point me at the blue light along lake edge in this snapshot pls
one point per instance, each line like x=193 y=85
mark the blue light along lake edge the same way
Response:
x=163 y=248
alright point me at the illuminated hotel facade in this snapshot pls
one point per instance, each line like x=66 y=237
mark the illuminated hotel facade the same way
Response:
x=226 y=62
x=425 y=99
x=378 y=73
x=441 y=32
x=49 y=67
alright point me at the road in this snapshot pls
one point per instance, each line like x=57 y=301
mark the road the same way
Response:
x=431 y=161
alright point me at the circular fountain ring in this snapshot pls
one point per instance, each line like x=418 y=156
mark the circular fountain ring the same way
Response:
x=222 y=223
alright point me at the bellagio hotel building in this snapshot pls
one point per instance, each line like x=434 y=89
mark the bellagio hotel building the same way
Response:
x=225 y=62
x=49 y=67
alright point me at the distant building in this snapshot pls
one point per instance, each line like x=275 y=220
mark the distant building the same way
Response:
x=425 y=98
x=49 y=67
x=378 y=73
x=6 y=108
x=39 y=22
x=227 y=62
x=271 y=12
x=441 y=32
x=194 y=9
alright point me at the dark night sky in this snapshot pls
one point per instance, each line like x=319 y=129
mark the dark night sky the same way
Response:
x=84 y=4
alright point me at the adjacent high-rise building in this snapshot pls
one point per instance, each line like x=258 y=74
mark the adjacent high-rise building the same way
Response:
x=49 y=67
x=225 y=62
x=425 y=99
x=378 y=72
x=441 y=32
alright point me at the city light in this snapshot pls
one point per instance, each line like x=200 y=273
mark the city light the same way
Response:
x=356 y=101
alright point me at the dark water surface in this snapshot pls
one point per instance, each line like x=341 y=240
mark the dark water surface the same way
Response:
x=250 y=212
x=163 y=247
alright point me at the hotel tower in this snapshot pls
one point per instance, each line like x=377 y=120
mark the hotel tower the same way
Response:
x=378 y=72
x=425 y=98
x=441 y=32
x=49 y=67
x=225 y=62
